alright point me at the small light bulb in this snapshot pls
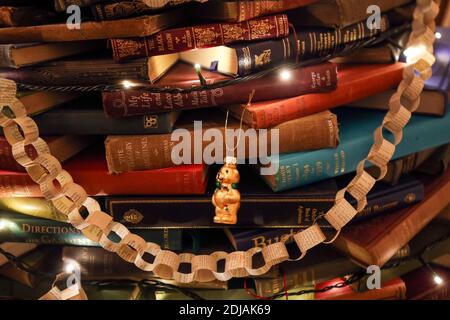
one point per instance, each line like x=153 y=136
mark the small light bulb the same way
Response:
x=128 y=84
x=438 y=35
x=3 y=224
x=197 y=67
x=285 y=75
x=438 y=280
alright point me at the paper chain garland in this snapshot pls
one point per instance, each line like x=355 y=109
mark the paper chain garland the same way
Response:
x=68 y=197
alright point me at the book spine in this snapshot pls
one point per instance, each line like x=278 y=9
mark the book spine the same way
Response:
x=271 y=113
x=202 y=36
x=96 y=123
x=6 y=59
x=25 y=16
x=256 y=212
x=313 y=79
x=156 y=151
x=18 y=185
x=261 y=55
x=79 y=73
x=119 y=10
x=41 y=231
x=35 y=207
x=300 y=169
x=251 y=9
x=322 y=42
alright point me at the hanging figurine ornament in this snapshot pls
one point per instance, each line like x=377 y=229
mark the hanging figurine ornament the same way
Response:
x=227 y=198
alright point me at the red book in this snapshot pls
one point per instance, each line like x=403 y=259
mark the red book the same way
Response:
x=201 y=36
x=89 y=169
x=317 y=78
x=355 y=82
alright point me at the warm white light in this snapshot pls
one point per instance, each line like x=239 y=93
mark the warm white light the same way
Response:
x=128 y=84
x=197 y=67
x=285 y=75
x=438 y=35
x=3 y=224
x=438 y=280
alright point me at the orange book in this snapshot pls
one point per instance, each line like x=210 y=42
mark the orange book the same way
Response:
x=354 y=83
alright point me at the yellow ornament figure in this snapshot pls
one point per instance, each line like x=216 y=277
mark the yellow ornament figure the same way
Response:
x=227 y=198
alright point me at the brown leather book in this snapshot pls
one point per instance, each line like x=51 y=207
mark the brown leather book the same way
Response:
x=133 y=27
x=16 y=249
x=20 y=55
x=245 y=10
x=375 y=241
x=200 y=36
x=27 y=16
x=317 y=78
x=340 y=13
x=39 y=101
x=432 y=102
x=154 y=151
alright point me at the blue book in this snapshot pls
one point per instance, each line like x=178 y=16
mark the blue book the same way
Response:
x=356 y=139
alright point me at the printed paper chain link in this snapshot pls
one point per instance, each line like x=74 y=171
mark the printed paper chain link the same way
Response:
x=68 y=197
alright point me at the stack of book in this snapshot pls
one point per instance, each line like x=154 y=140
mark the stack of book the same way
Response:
x=106 y=97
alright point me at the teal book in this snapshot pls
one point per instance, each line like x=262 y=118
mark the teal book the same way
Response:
x=21 y=228
x=356 y=139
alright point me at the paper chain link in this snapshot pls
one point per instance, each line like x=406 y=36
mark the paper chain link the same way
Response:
x=68 y=197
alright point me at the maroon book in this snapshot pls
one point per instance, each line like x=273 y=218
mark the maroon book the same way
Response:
x=313 y=79
x=201 y=36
